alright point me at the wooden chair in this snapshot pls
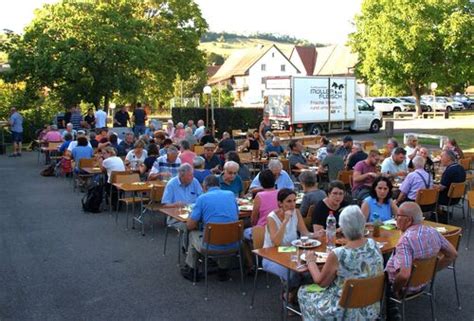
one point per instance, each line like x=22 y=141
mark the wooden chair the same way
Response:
x=216 y=234
x=258 y=237
x=309 y=141
x=465 y=163
x=470 y=204
x=423 y=272
x=455 y=240
x=456 y=191
x=156 y=194
x=84 y=162
x=198 y=149
x=346 y=177
x=298 y=134
x=309 y=217
x=113 y=180
x=129 y=179
x=359 y=293
x=246 y=185
x=428 y=198
x=286 y=165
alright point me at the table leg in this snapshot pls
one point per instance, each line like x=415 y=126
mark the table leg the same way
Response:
x=133 y=211
x=287 y=294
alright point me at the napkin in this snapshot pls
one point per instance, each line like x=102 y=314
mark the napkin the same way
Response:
x=441 y=229
x=388 y=227
x=286 y=249
x=312 y=288
x=184 y=216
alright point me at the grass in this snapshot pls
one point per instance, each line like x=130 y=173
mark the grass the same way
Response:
x=464 y=137
x=226 y=48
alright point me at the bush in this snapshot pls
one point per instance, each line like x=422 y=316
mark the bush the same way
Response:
x=226 y=119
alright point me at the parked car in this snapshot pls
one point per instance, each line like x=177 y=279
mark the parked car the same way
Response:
x=412 y=100
x=467 y=101
x=442 y=103
x=387 y=105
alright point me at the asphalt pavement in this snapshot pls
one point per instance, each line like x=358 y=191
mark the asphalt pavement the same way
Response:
x=58 y=263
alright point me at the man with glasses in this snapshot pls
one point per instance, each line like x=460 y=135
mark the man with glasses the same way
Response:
x=282 y=179
x=364 y=175
x=418 y=241
x=229 y=180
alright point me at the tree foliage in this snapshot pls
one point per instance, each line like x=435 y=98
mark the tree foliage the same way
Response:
x=92 y=50
x=407 y=44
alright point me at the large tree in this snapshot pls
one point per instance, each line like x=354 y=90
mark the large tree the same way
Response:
x=408 y=44
x=90 y=50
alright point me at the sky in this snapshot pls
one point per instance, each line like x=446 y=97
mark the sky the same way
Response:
x=323 y=21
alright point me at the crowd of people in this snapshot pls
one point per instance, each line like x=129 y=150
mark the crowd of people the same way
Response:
x=216 y=178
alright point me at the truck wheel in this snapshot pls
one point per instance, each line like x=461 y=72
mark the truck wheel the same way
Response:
x=449 y=109
x=397 y=109
x=315 y=130
x=375 y=126
x=428 y=109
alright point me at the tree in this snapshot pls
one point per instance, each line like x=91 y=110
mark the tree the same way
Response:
x=407 y=44
x=91 y=50
x=214 y=59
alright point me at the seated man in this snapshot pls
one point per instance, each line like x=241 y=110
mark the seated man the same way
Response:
x=200 y=173
x=356 y=156
x=282 y=179
x=391 y=145
x=182 y=189
x=418 y=241
x=227 y=144
x=215 y=206
x=395 y=165
x=230 y=180
x=167 y=142
x=416 y=180
x=364 y=175
x=429 y=165
x=212 y=162
x=296 y=158
x=454 y=173
x=274 y=149
x=126 y=145
x=332 y=163
x=166 y=166
x=346 y=147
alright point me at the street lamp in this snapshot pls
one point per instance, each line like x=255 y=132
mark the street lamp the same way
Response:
x=208 y=91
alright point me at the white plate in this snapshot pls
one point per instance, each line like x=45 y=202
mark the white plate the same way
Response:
x=299 y=201
x=246 y=207
x=312 y=243
x=390 y=222
x=381 y=244
x=321 y=257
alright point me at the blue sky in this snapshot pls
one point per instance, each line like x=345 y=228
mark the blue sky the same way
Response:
x=326 y=21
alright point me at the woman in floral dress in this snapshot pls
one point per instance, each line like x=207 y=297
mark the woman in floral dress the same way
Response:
x=359 y=258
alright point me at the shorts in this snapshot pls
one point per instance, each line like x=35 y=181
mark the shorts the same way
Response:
x=17 y=137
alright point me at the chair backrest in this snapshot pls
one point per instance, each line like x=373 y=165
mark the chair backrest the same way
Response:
x=470 y=199
x=345 y=177
x=86 y=162
x=309 y=141
x=156 y=193
x=359 y=293
x=114 y=174
x=198 y=149
x=454 y=238
x=286 y=165
x=258 y=237
x=422 y=272
x=465 y=163
x=246 y=185
x=54 y=145
x=308 y=219
x=223 y=233
x=127 y=179
x=456 y=190
x=427 y=196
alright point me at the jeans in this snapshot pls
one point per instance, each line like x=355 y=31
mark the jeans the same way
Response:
x=139 y=130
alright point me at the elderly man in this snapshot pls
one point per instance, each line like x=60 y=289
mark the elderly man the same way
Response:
x=364 y=175
x=429 y=165
x=356 y=156
x=418 y=241
x=215 y=206
x=454 y=173
x=412 y=148
x=395 y=165
x=227 y=144
x=190 y=124
x=53 y=135
x=200 y=173
x=391 y=145
x=70 y=130
x=230 y=180
x=346 y=147
x=274 y=149
x=282 y=179
x=416 y=180
x=126 y=145
x=212 y=162
x=182 y=189
x=166 y=166
x=200 y=131
x=296 y=158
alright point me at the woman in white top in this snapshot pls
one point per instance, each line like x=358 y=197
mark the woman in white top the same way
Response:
x=282 y=227
x=136 y=156
x=110 y=162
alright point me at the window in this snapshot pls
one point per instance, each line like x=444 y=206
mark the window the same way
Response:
x=283 y=67
x=263 y=67
x=263 y=81
x=273 y=55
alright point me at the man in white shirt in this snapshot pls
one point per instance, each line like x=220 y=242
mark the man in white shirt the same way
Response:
x=200 y=131
x=411 y=148
x=100 y=118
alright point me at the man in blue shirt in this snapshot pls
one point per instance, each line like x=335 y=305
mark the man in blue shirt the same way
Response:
x=182 y=189
x=454 y=173
x=230 y=180
x=16 y=126
x=215 y=206
x=282 y=179
x=274 y=149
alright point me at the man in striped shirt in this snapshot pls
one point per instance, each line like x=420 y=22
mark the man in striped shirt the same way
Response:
x=418 y=241
x=166 y=167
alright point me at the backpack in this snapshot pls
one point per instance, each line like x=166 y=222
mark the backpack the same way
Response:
x=66 y=166
x=48 y=171
x=92 y=201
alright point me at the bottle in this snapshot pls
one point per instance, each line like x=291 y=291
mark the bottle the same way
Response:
x=330 y=232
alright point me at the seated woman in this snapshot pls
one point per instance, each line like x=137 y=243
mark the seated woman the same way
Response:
x=332 y=203
x=283 y=225
x=379 y=205
x=152 y=155
x=359 y=258
x=179 y=133
x=252 y=143
x=200 y=173
x=312 y=195
x=452 y=145
x=136 y=156
x=244 y=171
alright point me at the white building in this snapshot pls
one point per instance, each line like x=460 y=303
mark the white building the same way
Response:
x=245 y=71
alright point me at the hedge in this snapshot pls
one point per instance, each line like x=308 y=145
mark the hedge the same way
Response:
x=227 y=119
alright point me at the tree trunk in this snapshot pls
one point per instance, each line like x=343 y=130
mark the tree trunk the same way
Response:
x=106 y=102
x=415 y=91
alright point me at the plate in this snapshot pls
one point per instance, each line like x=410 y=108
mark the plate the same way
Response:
x=310 y=243
x=441 y=229
x=390 y=222
x=244 y=201
x=184 y=216
x=246 y=207
x=139 y=183
x=321 y=257
x=299 y=201
x=381 y=244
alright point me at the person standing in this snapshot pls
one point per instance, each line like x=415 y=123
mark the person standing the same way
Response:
x=89 y=118
x=16 y=126
x=139 y=118
x=76 y=118
x=122 y=118
x=265 y=126
x=100 y=118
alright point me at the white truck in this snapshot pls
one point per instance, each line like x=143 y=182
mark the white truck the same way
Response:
x=318 y=104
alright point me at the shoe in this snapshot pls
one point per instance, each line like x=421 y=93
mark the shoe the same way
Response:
x=18 y=155
x=223 y=275
x=12 y=155
x=188 y=273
